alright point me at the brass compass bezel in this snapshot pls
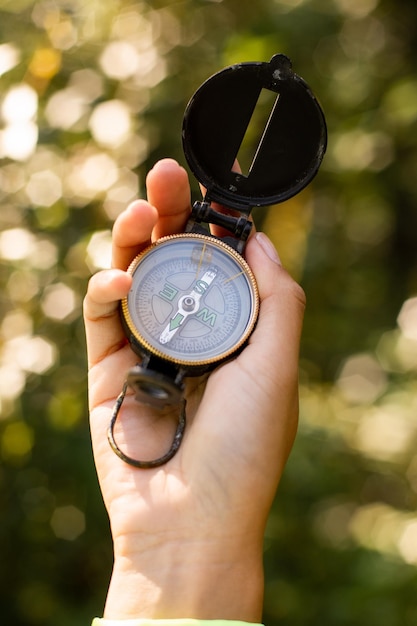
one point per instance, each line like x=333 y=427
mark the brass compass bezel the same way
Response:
x=145 y=347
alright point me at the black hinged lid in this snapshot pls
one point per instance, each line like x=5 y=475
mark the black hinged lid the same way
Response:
x=290 y=149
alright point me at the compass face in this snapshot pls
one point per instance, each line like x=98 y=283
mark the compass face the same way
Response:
x=193 y=300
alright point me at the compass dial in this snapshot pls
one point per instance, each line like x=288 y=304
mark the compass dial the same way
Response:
x=193 y=300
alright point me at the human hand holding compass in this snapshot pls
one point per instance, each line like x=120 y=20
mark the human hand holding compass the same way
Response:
x=181 y=528
x=182 y=326
x=188 y=534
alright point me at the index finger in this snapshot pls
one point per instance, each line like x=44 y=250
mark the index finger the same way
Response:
x=132 y=232
x=165 y=212
x=169 y=191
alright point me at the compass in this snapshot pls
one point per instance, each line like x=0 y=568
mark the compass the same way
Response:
x=194 y=303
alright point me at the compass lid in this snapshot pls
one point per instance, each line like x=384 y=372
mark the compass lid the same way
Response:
x=290 y=148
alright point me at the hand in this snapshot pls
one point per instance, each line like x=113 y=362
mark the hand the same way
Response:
x=188 y=535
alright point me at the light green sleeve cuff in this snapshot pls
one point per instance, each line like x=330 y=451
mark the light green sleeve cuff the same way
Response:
x=168 y=622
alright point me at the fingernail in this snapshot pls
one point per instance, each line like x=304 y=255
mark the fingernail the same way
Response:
x=167 y=162
x=268 y=247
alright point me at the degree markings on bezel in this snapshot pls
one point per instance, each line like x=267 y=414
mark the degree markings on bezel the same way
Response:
x=196 y=346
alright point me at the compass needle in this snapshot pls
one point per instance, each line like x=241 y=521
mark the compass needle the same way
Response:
x=228 y=280
x=200 y=261
x=176 y=321
x=188 y=305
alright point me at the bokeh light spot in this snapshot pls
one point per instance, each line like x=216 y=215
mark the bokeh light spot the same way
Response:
x=65 y=411
x=377 y=526
x=407 y=543
x=68 y=522
x=18 y=140
x=407 y=319
x=357 y=8
x=359 y=150
x=362 y=379
x=65 y=108
x=45 y=63
x=17 y=440
x=99 y=250
x=110 y=123
x=12 y=381
x=16 y=322
x=33 y=354
x=44 y=188
x=16 y=244
x=384 y=433
x=9 y=57
x=20 y=104
x=96 y=173
x=400 y=102
x=59 y=301
x=119 y=60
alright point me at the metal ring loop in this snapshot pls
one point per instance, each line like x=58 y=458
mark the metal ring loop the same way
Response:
x=179 y=433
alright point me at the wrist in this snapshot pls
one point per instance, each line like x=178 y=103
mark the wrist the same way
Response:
x=188 y=580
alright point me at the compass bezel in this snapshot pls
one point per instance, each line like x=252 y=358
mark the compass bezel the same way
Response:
x=144 y=347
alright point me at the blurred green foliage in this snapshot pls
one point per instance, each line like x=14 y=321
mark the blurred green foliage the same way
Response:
x=91 y=95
